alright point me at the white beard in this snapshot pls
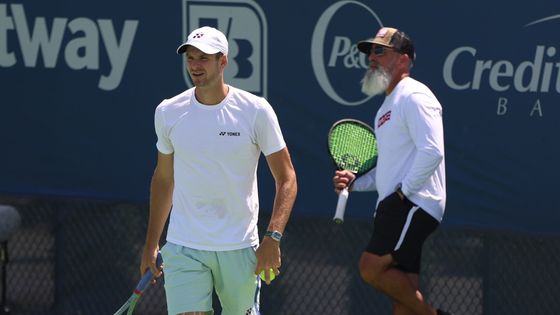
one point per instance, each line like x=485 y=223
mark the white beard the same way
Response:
x=375 y=82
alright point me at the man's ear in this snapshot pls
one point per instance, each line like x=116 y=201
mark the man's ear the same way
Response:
x=405 y=60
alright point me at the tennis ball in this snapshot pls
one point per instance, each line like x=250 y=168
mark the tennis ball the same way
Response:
x=272 y=275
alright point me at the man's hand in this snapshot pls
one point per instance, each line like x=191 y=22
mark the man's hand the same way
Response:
x=343 y=179
x=268 y=256
x=149 y=257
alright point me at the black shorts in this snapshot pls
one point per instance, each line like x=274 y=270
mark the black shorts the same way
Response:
x=400 y=229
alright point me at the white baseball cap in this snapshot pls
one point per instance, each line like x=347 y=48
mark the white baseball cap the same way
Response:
x=208 y=39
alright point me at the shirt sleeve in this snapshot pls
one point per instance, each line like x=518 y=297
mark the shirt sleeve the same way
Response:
x=424 y=119
x=163 y=144
x=268 y=133
x=365 y=182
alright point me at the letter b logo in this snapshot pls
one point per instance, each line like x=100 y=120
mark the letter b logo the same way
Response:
x=244 y=24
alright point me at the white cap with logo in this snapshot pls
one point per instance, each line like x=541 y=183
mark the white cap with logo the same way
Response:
x=208 y=39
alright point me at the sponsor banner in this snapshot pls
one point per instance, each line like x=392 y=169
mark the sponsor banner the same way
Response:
x=80 y=83
x=244 y=24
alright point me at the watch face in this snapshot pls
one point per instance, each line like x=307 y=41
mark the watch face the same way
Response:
x=276 y=235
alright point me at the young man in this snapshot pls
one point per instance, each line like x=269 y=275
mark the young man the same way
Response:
x=410 y=172
x=209 y=139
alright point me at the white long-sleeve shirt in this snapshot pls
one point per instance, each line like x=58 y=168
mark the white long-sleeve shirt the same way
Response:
x=409 y=131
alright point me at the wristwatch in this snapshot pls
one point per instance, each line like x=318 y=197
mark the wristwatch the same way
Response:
x=275 y=235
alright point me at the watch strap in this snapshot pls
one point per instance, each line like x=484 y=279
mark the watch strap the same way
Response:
x=275 y=235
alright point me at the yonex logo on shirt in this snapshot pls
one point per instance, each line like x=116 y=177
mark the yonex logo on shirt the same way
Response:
x=230 y=133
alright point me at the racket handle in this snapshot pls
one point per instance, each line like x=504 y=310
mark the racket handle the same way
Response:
x=148 y=275
x=341 y=206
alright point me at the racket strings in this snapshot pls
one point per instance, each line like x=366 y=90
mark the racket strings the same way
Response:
x=353 y=147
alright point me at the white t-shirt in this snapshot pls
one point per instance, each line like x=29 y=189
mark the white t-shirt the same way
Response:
x=409 y=131
x=216 y=152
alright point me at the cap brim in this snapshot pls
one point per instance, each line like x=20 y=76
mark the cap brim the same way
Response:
x=203 y=47
x=364 y=46
x=181 y=49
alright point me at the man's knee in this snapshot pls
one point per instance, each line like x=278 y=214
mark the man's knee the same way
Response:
x=372 y=266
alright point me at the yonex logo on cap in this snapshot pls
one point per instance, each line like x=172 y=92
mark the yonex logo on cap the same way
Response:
x=208 y=39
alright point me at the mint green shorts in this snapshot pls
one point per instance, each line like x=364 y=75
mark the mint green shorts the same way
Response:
x=191 y=275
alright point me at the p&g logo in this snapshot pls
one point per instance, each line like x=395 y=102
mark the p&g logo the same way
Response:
x=337 y=64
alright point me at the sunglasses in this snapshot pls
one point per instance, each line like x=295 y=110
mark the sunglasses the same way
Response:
x=379 y=50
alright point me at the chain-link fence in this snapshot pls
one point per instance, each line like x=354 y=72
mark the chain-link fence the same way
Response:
x=81 y=257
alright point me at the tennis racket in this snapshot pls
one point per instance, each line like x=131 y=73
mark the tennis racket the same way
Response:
x=353 y=147
x=129 y=305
